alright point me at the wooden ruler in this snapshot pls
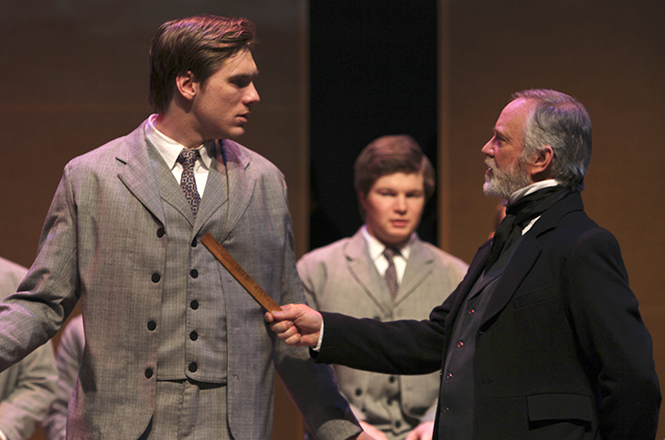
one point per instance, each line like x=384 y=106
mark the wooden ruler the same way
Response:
x=239 y=273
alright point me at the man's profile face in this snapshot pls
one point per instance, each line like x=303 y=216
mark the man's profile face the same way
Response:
x=222 y=106
x=507 y=167
x=393 y=207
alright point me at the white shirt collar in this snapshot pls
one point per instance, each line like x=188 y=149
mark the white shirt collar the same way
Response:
x=376 y=248
x=528 y=190
x=170 y=149
x=531 y=189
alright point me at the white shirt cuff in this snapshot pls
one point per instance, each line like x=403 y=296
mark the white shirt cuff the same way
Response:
x=318 y=345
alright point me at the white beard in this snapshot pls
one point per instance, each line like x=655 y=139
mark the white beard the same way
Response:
x=500 y=183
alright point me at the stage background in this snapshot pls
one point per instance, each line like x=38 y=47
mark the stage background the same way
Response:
x=75 y=76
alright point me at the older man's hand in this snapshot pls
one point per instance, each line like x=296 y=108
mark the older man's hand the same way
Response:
x=296 y=324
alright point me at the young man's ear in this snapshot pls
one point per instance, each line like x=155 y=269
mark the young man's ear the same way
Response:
x=187 y=85
x=362 y=204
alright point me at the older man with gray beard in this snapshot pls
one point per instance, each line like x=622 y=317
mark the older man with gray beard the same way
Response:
x=543 y=338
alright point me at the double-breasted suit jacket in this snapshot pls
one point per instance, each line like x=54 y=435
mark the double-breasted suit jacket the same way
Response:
x=562 y=351
x=106 y=239
x=342 y=278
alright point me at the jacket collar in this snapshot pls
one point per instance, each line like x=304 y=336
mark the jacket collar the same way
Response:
x=520 y=264
x=528 y=252
x=232 y=164
x=419 y=266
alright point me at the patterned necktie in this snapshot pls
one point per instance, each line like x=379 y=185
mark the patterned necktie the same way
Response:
x=391 y=272
x=187 y=182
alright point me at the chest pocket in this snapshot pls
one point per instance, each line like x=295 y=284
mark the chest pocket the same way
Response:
x=535 y=296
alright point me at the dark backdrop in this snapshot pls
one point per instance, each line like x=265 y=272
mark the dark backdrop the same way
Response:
x=373 y=71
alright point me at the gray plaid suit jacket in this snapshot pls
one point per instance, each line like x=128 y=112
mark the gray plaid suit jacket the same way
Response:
x=342 y=278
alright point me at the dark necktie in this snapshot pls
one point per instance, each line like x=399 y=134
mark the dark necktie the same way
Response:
x=391 y=272
x=519 y=214
x=187 y=182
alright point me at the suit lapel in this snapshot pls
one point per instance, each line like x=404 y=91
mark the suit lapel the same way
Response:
x=364 y=272
x=169 y=187
x=418 y=267
x=148 y=178
x=240 y=180
x=527 y=253
x=138 y=174
x=519 y=265
x=216 y=191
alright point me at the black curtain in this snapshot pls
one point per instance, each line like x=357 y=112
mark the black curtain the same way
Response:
x=373 y=71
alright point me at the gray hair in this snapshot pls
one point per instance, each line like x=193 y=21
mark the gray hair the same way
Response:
x=563 y=123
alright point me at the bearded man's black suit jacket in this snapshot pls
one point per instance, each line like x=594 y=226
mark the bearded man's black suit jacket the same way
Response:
x=562 y=352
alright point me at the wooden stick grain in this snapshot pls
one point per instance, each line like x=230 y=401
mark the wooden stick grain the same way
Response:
x=239 y=273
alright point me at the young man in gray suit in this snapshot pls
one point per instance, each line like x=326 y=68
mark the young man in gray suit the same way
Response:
x=393 y=180
x=543 y=338
x=175 y=347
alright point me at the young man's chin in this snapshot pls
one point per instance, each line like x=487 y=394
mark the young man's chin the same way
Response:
x=233 y=132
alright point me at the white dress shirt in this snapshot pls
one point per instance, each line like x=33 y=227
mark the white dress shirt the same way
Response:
x=170 y=149
x=376 y=248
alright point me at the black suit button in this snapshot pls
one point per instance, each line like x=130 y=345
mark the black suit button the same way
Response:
x=392 y=379
x=160 y=232
x=148 y=373
x=194 y=305
x=156 y=277
x=193 y=367
x=193 y=336
x=358 y=391
x=152 y=325
x=194 y=273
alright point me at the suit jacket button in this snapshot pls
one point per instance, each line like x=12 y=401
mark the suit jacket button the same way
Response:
x=193 y=336
x=156 y=277
x=194 y=273
x=194 y=305
x=358 y=392
x=152 y=325
x=148 y=373
x=160 y=232
x=193 y=367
